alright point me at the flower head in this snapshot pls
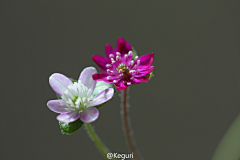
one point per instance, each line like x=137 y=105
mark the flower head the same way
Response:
x=120 y=68
x=77 y=99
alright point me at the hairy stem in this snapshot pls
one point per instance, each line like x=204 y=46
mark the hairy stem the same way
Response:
x=101 y=147
x=126 y=125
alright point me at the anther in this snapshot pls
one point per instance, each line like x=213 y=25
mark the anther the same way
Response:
x=118 y=54
x=130 y=53
x=108 y=65
x=136 y=58
x=118 y=58
x=131 y=63
x=111 y=56
x=138 y=62
x=131 y=78
x=132 y=71
x=125 y=57
x=120 y=71
x=128 y=83
x=113 y=61
x=114 y=81
x=109 y=78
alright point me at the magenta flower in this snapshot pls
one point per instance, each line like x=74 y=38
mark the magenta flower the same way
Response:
x=77 y=99
x=120 y=69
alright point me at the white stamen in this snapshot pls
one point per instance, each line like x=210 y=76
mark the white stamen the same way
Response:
x=130 y=53
x=114 y=81
x=138 y=62
x=111 y=56
x=132 y=72
x=109 y=78
x=125 y=57
x=113 y=61
x=120 y=71
x=131 y=63
x=108 y=65
x=128 y=83
x=118 y=54
x=136 y=58
x=118 y=58
x=131 y=78
x=77 y=97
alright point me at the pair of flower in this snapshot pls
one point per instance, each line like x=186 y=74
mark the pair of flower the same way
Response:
x=120 y=68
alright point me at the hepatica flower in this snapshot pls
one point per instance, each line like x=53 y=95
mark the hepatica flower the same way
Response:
x=77 y=99
x=121 y=68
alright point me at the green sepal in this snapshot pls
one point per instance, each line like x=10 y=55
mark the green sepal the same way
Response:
x=73 y=80
x=134 y=53
x=72 y=127
x=150 y=75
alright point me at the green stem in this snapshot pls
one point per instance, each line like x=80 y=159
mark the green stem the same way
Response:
x=101 y=147
x=229 y=146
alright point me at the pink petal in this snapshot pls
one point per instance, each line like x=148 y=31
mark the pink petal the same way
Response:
x=89 y=115
x=101 y=77
x=140 y=79
x=56 y=106
x=109 y=50
x=101 y=61
x=59 y=83
x=68 y=117
x=103 y=96
x=86 y=77
x=144 y=71
x=122 y=46
x=146 y=60
x=120 y=85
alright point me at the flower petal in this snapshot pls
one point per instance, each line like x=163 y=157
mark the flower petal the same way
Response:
x=86 y=77
x=56 y=106
x=144 y=70
x=146 y=60
x=103 y=96
x=101 y=77
x=109 y=50
x=101 y=61
x=140 y=79
x=59 y=83
x=68 y=117
x=122 y=46
x=120 y=85
x=89 y=115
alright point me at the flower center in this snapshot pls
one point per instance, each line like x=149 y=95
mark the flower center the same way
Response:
x=78 y=97
x=123 y=69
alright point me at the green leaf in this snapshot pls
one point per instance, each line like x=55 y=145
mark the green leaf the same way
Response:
x=72 y=127
x=134 y=53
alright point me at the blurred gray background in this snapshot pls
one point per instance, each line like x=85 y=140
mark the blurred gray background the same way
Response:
x=181 y=114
